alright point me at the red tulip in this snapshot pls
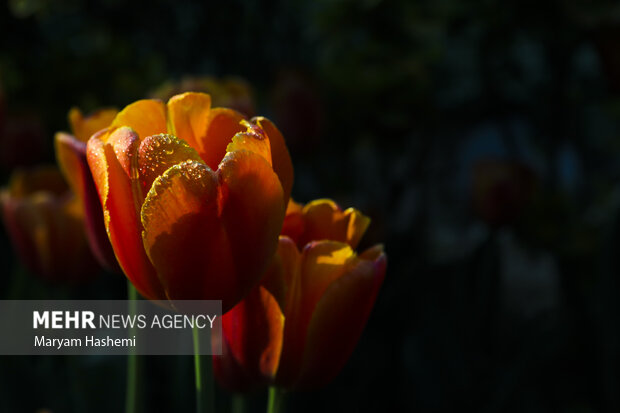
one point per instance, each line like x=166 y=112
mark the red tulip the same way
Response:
x=193 y=197
x=45 y=224
x=299 y=326
x=71 y=156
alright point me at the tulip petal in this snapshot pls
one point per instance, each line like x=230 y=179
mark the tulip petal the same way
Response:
x=253 y=334
x=147 y=117
x=71 y=155
x=157 y=153
x=222 y=125
x=188 y=116
x=110 y=159
x=282 y=270
x=253 y=140
x=253 y=212
x=184 y=237
x=339 y=319
x=293 y=207
x=83 y=127
x=282 y=164
x=322 y=263
x=294 y=225
x=323 y=219
x=357 y=226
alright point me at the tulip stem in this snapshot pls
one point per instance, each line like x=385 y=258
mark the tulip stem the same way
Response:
x=275 y=400
x=132 y=361
x=204 y=391
x=238 y=404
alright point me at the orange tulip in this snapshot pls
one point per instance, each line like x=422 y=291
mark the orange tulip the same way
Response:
x=299 y=326
x=193 y=197
x=45 y=224
x=71 y=156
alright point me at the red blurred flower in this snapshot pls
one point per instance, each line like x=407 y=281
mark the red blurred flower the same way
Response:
x=299 y=326
x=298 y=109
x=22 y=136
x=46 y=225
x=501 y=190
x=193 y=197
x=22 y=139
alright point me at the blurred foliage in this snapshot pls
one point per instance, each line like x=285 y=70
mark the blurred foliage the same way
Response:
x=402 y=98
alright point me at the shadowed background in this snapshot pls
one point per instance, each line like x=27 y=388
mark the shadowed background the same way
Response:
x=481 y=138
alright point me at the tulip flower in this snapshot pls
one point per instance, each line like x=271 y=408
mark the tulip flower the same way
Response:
x=193 y=197
x=71 y=156
x=299 y=326
x=45 y=223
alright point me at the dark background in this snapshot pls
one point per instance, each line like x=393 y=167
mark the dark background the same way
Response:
x=481 y=137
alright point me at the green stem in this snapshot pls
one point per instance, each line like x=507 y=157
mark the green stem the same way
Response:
x=275 y=400
x=132 y=361
x=197 y=372
x=202 y=371
x=238 y=403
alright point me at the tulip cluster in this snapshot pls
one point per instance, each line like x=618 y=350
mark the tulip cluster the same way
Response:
x=193 y=203
x=52 y=221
